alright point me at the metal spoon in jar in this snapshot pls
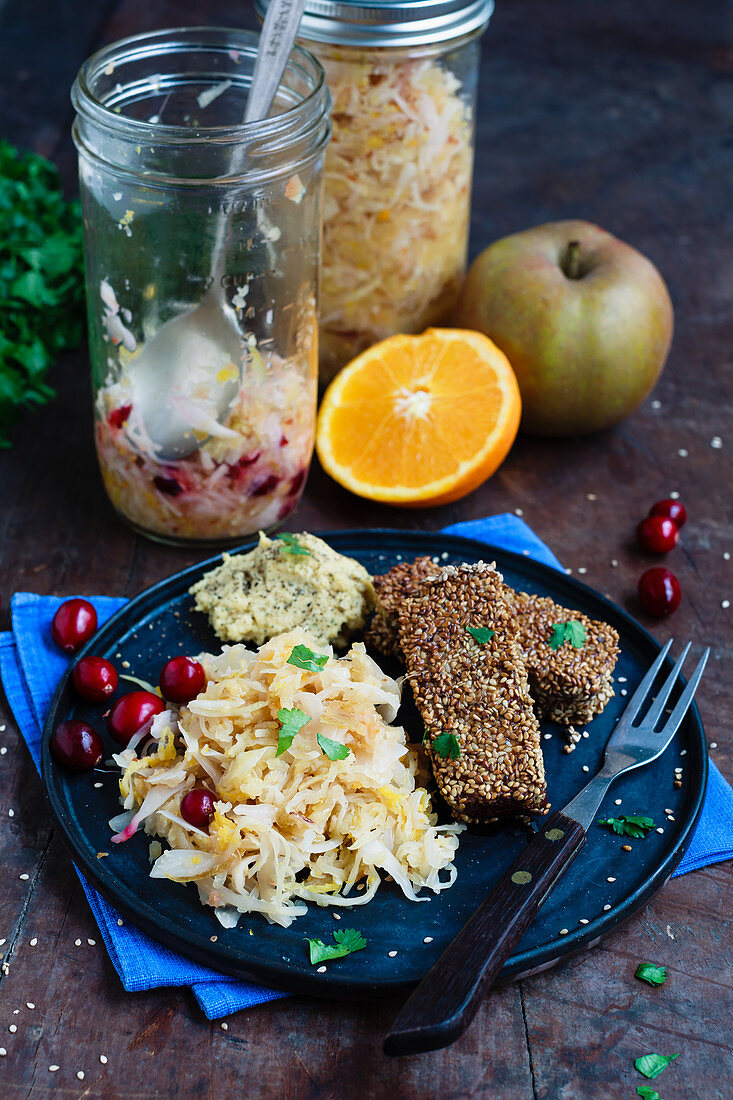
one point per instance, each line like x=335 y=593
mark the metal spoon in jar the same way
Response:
x=185 y=379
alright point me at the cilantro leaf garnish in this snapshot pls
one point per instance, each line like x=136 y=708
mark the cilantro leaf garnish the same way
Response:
x=482 y=634
x=647 y=1092
x=303 y=657
x=347 y=940
x=41 y=280
x=648 y=972
x=572 y=632
x=334 y=750
x=628 y=825
x=292 y=544
x=291 y=722
x=651 y=1065
x=446 y=745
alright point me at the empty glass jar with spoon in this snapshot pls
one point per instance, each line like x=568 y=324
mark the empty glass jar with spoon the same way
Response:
x=202 y=247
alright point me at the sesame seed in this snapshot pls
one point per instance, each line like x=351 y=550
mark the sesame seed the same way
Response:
x=3 y=1052
x=713 y=744
x=563 y=931
x=213 y=938
x=103 y=1059
x=3 y=750
x=674 y=495
x=29 y=1004
x=92 y=943
x=582 y=569
x=125 y=664
x=428 y=939
x=34 y=941
x=547 y=736
x=660 y=829
x=525 y=552
x=621 y=679
x=614 y=563
x=568 y=571
x=586 y=734
x=716 y=442
x=591 y=496
x=617 y=802
x=224 y=1026
x=80 y=1074
x=726 y=555
x=120 y=922
x=725 y=604
x=625 y=847
x=24 y=877
x=13 y=1028
x=391 y=954
x=2 y=941
x=98 y=785
x=683 y=752
x=668 y=811
x=337 y=916
x=583 y=921
x=321 y=970
x=656 y=404
x=670 y=817
x=52 y=1069
x=610 y=879
x=77 y=943
x=606 y=908
x=11 y=813
x=586 y=768
x=683 y=452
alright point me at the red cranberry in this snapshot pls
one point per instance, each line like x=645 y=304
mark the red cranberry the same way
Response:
x=94 y=678
x=267 y=486
x=130 y=713
x=197 y=807
x=73 y=624
x=657 y=534
x=659 y=591
x=77 y=746
x=672 y=509
x=182 y=679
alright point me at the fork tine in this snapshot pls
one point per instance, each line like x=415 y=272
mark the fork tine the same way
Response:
x=652 y=715
x=637 y=699
x=683 y=703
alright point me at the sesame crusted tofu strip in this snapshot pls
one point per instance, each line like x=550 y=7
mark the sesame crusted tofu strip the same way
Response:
x=473 y=696
x=391 y=589
x=569 y=684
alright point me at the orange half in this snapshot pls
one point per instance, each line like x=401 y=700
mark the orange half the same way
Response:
x=420 y=420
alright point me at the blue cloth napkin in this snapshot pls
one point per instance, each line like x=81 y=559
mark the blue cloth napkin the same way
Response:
x=30 y=668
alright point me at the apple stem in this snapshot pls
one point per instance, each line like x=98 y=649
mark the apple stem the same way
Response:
x=571 y=260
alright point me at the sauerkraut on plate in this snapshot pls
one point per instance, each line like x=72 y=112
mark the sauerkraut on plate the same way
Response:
x=317 y=795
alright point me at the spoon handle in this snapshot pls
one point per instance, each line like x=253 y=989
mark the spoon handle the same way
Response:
x=276 y=42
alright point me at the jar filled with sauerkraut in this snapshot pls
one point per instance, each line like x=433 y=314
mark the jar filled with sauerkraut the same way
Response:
x=202 y=238
x=403 y=80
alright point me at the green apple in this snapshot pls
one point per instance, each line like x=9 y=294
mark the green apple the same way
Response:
x=584 y=319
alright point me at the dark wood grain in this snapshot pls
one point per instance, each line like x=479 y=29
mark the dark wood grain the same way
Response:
x=447 y=999
x=618 y=113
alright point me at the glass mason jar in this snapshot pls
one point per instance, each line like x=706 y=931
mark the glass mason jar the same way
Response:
x=202 y=239
x=402 y=78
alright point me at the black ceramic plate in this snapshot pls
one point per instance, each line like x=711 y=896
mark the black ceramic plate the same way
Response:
x=160 y=623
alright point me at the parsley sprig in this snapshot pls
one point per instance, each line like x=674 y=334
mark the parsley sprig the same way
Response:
x=651 y=1065
x=292 y=544
x=347 y=940
x=334 y=750
x=41 y=280
x=653 y=975
x=446 y=745
x=291 y=722
x=572 y=632
x=628 y=825
x=303 y=657
x=647 y=1092
x=482 y=634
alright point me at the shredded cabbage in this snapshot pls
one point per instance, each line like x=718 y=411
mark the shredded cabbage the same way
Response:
x=248 y=473
x=397 y=197
x=296 y=827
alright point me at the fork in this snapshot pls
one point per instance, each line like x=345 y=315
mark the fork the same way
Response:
x=446 y=1000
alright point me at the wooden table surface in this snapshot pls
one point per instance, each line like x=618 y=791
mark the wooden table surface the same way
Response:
x=618 y=113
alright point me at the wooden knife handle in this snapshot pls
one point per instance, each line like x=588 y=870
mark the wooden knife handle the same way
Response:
x=445 y=1002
